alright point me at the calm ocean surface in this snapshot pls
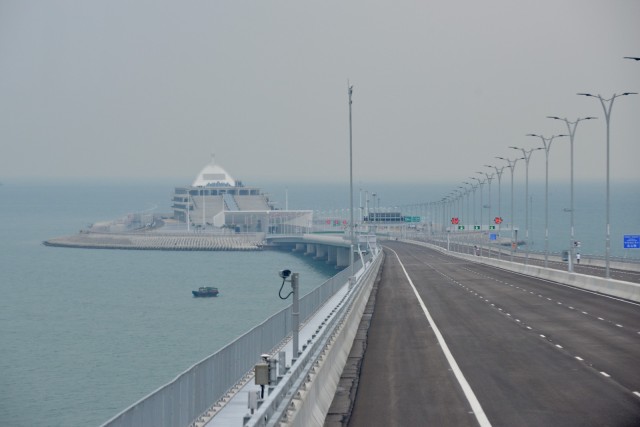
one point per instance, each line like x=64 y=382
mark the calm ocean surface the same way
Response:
x=86 y=333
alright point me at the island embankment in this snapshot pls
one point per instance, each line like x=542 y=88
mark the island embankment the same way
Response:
x=160 y=241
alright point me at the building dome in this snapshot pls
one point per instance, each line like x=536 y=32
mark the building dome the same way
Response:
x=213 y=175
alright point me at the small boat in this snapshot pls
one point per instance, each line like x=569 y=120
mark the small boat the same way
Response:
x=207 y=291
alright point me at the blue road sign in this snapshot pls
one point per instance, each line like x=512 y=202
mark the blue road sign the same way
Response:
x=492 y=236
x=632 y=241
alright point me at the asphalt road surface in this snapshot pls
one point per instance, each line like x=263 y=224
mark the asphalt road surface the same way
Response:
x=455 y=343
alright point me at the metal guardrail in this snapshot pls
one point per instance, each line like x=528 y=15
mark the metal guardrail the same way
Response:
x=183 y=400
x=274 y=409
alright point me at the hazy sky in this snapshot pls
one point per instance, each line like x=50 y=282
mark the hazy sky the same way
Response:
x=148 y=89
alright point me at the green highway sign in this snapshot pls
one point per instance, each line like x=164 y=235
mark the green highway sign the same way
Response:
x=412 y=219
x=476 y=227
x=492 y=227
x=461 y=227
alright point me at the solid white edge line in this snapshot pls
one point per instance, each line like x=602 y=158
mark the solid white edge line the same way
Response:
x=466 y=388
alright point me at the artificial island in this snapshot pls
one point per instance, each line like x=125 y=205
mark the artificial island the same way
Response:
x=216 y=212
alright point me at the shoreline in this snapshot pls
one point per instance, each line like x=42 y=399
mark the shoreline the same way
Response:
x=152 y=241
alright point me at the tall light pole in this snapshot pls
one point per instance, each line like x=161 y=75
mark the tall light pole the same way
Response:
x=512 y=167
x=499 y=174
x=473 y=188
x=571 y=127
x=546 y=142
x=527 y=156
x=462 y=193
x=351 y=234
x=607 y=115
x=489 y=179
x=480 y=184
x=468 y=220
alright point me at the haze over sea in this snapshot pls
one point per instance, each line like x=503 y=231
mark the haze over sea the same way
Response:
x=86 y=333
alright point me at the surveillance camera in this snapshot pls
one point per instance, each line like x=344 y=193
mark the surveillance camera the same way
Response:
x=285 y=273
x=265 y=357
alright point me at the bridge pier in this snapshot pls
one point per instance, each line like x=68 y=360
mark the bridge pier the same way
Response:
x=300 y=247
x=343 y=257
x=311 y=249
x=332 y=255
x=321 y=252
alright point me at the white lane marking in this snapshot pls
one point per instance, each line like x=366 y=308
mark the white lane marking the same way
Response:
x=605 y=374
x=636 y=393
x=466 y=388
x=618 y=325
x=542 y=336
x=600 y=318
x=558 y=345
x=579 y=358
x=584 y=312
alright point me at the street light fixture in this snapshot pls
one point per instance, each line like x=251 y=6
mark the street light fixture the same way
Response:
x=527 y=156
x=607 y=115
x=546 y=142
x=351 y=229
x=480 y=184
x=499 y=174
x=512 y=166
x=489 y=177
x=571 y=127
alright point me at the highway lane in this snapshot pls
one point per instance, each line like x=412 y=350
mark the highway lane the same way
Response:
x=533 y=352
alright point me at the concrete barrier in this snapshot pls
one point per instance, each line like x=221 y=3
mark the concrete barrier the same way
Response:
x=314 y=398
x=612 y=287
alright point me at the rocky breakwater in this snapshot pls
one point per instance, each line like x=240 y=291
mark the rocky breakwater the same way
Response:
x=157 y=241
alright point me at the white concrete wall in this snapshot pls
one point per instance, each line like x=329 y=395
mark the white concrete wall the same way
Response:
x=616 y=288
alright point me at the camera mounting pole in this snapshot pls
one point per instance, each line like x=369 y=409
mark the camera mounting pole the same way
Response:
x=295 y=315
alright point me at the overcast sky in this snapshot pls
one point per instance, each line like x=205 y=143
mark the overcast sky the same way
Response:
x=147 y=89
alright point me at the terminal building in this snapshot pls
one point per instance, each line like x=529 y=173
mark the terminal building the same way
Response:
x=216 y=199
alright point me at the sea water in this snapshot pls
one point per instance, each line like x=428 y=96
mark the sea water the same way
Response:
x=85 y=333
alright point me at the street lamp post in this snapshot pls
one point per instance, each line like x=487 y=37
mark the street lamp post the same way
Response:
x=527 y=156
x=462 y=193
x=468 y=220
x=546 y=142
x=607 y=115
x=351 y=229
x=489 y=179
x=473 y=189
x=499 y=174
x=512 y=166
x=480 y=184
x=571 y=127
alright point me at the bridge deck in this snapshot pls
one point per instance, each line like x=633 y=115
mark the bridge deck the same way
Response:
x=532 y=352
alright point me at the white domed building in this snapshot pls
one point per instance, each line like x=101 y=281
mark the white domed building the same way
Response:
x=216 y=199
